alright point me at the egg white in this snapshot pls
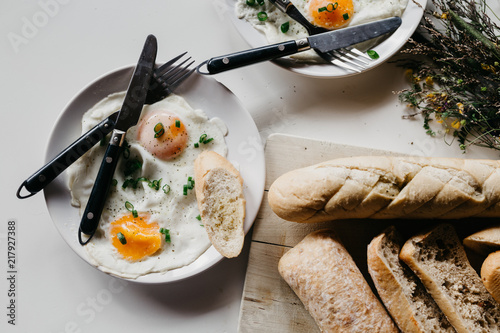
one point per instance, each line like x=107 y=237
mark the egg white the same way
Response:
x=173 y=211
x=364 y=11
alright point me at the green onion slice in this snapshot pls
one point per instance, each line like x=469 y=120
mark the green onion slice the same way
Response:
x=178 y=123
x=251 y=2
x=198 y=218
x=203 y=137
x=130 y=208
x=260 y=2
x=166 y=188
x=159 y=130
x=262 y=16
x=121 y=238
x=345 y=16
x=284 y=27
x=372 y=54
x=196 y=144
x=166 y=232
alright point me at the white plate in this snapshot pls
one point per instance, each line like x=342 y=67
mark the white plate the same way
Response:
x=386 y=49
x=243 y=141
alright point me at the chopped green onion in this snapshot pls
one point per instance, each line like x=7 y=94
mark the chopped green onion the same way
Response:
x=167 y=190
x=329 y=8
x=121 y=238
x=345 y=16
x=207 y=140
x=198 y=218
x=203 y=137
x=284 y=27
x=166 y=232
x=251 y=2
x=132 y=166
x=321 y=9
x=114 y=182
x=190 y=178
x=260 y=2
x=262 y=16
x=196 y=144
x=155 y=184
x=185 y=189
x=159 y=130
x=130 y=208
x=178 y=123
x=372 y=54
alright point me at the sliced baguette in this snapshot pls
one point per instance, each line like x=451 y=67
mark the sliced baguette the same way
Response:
x=490 y=274
x=439 y=260
x=325 y=278
x=219 y=193
x=484 y=241
x=404 y=296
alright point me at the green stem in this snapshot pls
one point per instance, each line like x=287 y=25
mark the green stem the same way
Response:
x=462 y=25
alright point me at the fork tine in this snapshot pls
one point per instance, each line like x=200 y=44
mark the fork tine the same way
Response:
x=353 y=56
x=341 y=57
x=168 y=63
x=359 y=53
x=180 y=79
x=174 y=71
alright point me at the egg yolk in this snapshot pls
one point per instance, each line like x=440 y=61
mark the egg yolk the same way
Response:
x=163 y=134
x=330 y=14
x=141 y=238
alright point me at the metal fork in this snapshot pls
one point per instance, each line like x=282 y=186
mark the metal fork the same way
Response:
x=165 y=80
x=342 y=57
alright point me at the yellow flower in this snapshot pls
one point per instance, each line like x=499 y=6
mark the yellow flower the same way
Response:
x=460 y=107
x=409 y=74
x=444 y=16
x=429 y=81
x=456 y=124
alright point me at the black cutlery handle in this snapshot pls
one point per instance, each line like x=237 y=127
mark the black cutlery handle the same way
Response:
x=40 y=179
x=99 y=193
x=250 y=57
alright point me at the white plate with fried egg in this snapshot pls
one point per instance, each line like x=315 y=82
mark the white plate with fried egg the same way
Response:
x=258 y=33
x=204 y=106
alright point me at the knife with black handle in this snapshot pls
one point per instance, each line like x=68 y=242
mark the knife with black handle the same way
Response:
x=128 y=116
x=324 y=42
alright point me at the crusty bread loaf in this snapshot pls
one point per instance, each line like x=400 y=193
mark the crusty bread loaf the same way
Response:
x=484 y=241
x=490 y=274
x=438 y=258
x=325 y=278
x=385 y=187
x=404 y=296
x=219 y=192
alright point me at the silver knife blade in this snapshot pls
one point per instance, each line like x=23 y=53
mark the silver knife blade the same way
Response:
x=329 y=41
x=138 y=87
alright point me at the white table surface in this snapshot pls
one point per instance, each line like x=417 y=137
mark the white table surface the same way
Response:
x=77 y=41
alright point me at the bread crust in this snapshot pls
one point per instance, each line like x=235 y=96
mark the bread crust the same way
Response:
x=400 y=290
x=459 y=294
x=385 y=187
x=325 y=278
x=205 y=165
x=490 y=274
x=485 y=241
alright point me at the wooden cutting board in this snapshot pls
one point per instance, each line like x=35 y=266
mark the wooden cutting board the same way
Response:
x=268 y=303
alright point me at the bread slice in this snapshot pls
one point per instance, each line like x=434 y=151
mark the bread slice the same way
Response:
x=404 y=296
x=490 y=274
x=439 y=260
x=484 y=241
x=219 y=193
x=325 y=278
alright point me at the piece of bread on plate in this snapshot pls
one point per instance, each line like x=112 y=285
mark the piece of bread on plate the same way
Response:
x=402 y=293
x=438 y=258
x=484 y=241
x=490 y=274
x=325 y=278
x=221 y=202
x=383 y=187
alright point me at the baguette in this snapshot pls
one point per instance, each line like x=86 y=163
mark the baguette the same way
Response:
x=383 y=187
x=490 y=274
x=219 y=193
x=404 y=296
x=325 y=278
x=485 y=241
x=439 y=260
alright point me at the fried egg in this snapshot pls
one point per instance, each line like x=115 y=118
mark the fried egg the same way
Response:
x=150 y=221
x=278 y=27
